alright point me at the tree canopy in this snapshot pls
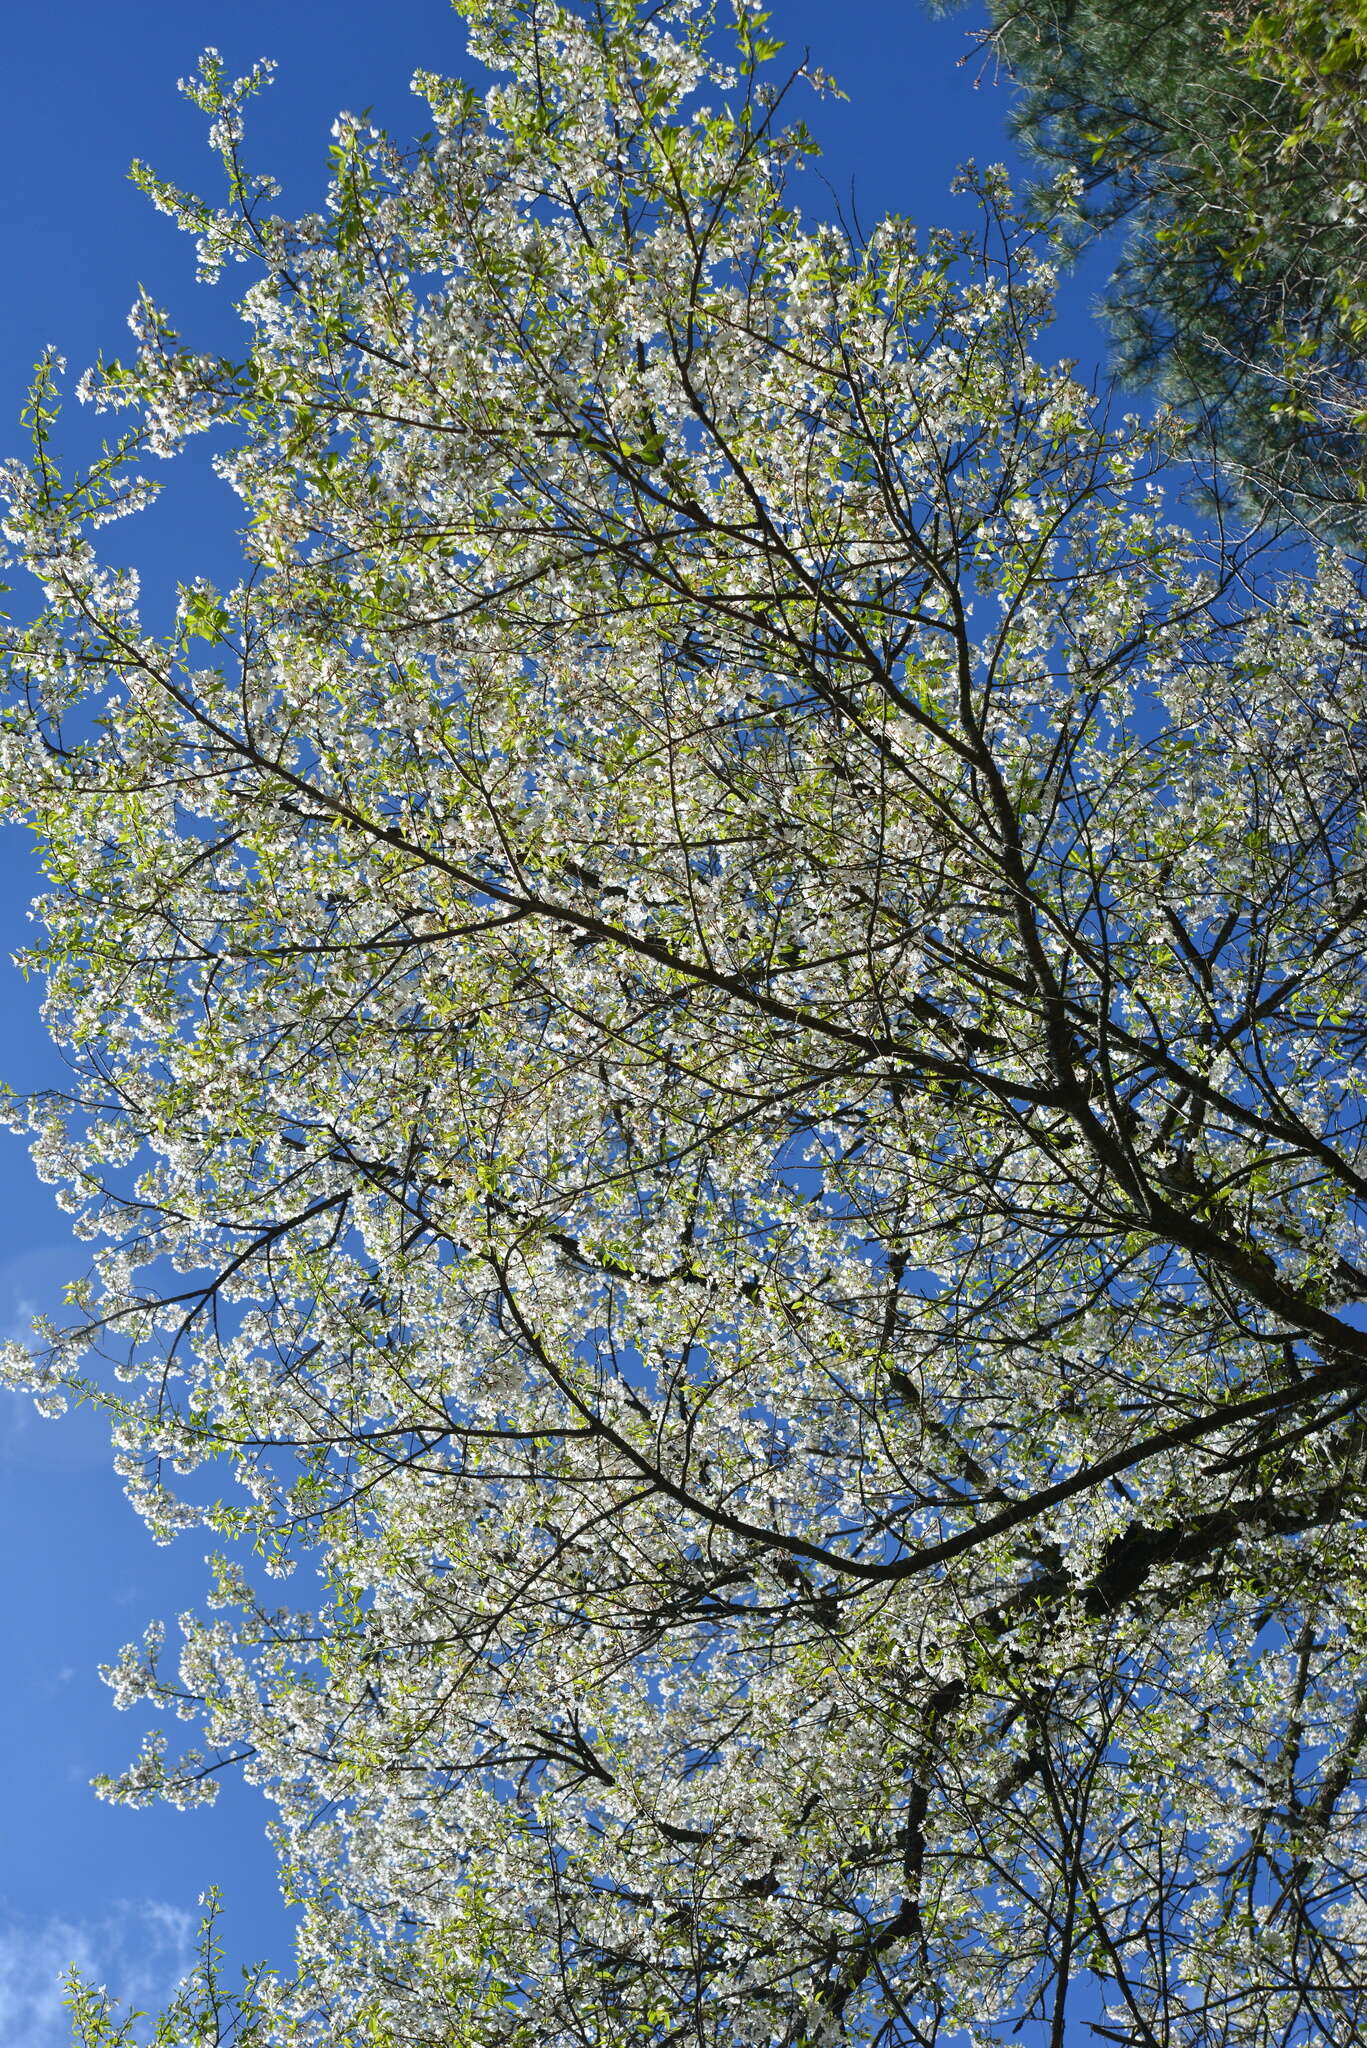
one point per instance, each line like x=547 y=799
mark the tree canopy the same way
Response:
x=1231 y=141
x=716 y=1026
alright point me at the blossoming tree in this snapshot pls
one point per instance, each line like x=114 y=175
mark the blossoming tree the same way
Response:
x=717 y=1020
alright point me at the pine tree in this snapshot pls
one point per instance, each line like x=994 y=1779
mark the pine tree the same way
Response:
x=1229 y=143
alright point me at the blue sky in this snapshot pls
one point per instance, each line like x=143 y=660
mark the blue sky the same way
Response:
x=85 y=88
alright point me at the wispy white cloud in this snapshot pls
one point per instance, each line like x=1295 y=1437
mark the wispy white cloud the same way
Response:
x=32 y=1284
x=140 y=1948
